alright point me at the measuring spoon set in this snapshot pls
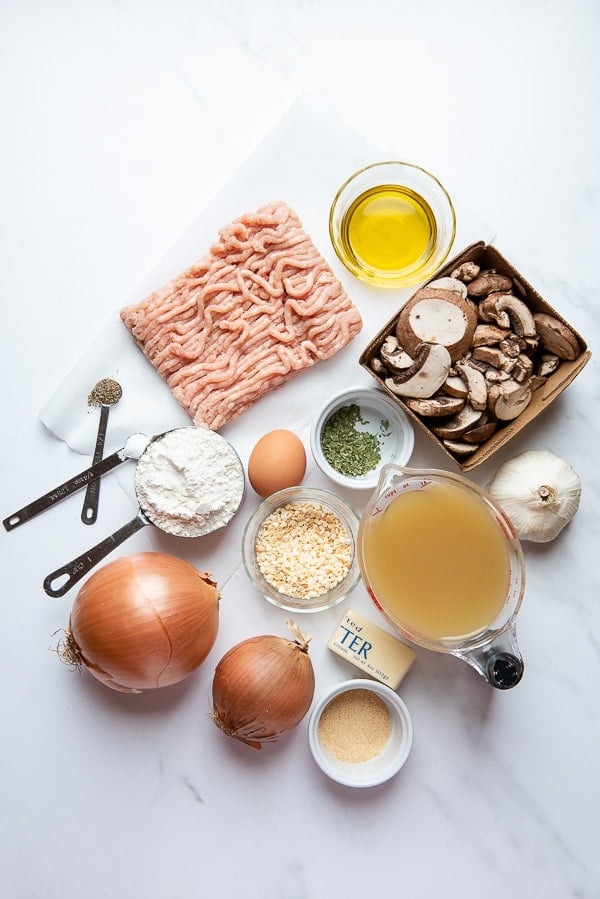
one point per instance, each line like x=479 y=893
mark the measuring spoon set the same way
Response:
x=105 y=394
x=60 y=581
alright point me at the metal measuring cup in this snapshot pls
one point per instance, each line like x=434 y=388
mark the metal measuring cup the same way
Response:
x=60 y=581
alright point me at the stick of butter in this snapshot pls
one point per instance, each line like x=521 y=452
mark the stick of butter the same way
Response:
x=372 y=649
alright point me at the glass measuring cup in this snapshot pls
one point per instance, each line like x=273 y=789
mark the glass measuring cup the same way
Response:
x=440 y=593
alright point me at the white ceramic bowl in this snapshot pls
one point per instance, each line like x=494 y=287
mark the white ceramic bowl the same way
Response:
x=377 y=409
x=381 y=767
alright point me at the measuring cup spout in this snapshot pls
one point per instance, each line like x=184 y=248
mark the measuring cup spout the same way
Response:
x=499 y=661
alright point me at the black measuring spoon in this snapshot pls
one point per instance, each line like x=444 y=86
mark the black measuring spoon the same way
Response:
x=105 y=394
x=134 y=446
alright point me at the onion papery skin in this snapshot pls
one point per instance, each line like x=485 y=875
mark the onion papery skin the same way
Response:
x=262 y=688
x=144 y=621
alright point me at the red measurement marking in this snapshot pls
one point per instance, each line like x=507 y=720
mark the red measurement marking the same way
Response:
x=374 y=598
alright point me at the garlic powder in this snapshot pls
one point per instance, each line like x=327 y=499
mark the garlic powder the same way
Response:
x=189 y=481
x=355 y=726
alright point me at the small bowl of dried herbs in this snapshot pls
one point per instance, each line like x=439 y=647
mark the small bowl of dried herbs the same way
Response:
x=357 y=432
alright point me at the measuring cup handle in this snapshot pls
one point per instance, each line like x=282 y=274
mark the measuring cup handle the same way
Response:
x=76 y=569
x=63 y=490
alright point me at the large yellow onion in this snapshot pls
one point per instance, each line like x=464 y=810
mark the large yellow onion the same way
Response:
x=143 y=621
x=263 y=687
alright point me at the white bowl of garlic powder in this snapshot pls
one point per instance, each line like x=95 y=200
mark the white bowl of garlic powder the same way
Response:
x=360 y=733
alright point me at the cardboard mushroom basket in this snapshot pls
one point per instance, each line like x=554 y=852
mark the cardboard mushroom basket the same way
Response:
x=475 y=355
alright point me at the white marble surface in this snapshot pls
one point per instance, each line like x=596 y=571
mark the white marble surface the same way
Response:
x=122 y=122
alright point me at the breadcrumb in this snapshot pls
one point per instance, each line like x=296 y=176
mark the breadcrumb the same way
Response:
x=303 y=549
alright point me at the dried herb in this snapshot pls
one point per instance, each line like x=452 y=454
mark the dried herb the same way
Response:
x=350 y=451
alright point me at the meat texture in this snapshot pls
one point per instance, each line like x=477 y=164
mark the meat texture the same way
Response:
x=259 y=307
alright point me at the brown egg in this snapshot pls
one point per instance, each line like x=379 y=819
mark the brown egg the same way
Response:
x=278 y=460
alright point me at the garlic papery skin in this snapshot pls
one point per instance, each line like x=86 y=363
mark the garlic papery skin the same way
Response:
x=539 y=492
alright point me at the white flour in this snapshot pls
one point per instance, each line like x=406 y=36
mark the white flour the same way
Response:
x=189 y=481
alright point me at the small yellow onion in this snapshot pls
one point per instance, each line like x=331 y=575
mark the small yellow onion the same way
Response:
x=143 y=621
x=263 y=687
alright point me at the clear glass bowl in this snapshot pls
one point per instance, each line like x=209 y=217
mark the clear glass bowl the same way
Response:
x=331 y=502
x=417 y=197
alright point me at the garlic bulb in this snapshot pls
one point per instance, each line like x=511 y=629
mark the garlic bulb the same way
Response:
x=539 y=492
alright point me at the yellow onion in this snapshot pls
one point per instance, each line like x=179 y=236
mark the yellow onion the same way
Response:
x=143 y=621
x=263 y=687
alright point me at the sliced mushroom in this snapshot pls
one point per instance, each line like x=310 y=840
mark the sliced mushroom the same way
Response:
x=548 y=364
x=536 y=381
x=459 y=447
x=466 y=272
x=476 y=384
x=455 y=386
x=393 y=356
x=512 y=346
x=437 y=316
x=523 y=369
x=435 y=406
x=425 y=376
x=506 y=401
x=463 y=421
x=519 y=314
x=489 y=282
x=556 y=337
x=481 y=432
x=453 y=284
x=495 y=357
x=494 y=376
x=378 y=366
x=481 y=366
x=488 y=335
x=489 y=312
x=390 y=343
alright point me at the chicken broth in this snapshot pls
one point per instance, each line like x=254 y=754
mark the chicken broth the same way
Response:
x=437 y=562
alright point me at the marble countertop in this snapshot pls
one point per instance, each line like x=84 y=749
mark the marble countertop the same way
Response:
x=123 y=129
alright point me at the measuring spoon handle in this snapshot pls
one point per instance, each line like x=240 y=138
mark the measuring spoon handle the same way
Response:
x=133 y=449
x=63 y=490
x=68 y=575
x=89 y=512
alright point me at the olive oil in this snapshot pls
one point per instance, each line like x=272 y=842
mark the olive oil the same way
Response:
x=437 y=562
x=389 y=228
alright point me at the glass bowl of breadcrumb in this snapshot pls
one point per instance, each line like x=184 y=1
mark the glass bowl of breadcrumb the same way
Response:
x=299 y=549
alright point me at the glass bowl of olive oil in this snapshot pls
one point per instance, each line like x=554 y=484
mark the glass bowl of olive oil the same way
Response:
x=392 y=224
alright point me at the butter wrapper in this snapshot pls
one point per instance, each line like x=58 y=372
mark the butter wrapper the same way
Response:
x=372 y=649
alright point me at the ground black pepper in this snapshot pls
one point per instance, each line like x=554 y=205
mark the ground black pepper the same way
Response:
x=106 y=392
